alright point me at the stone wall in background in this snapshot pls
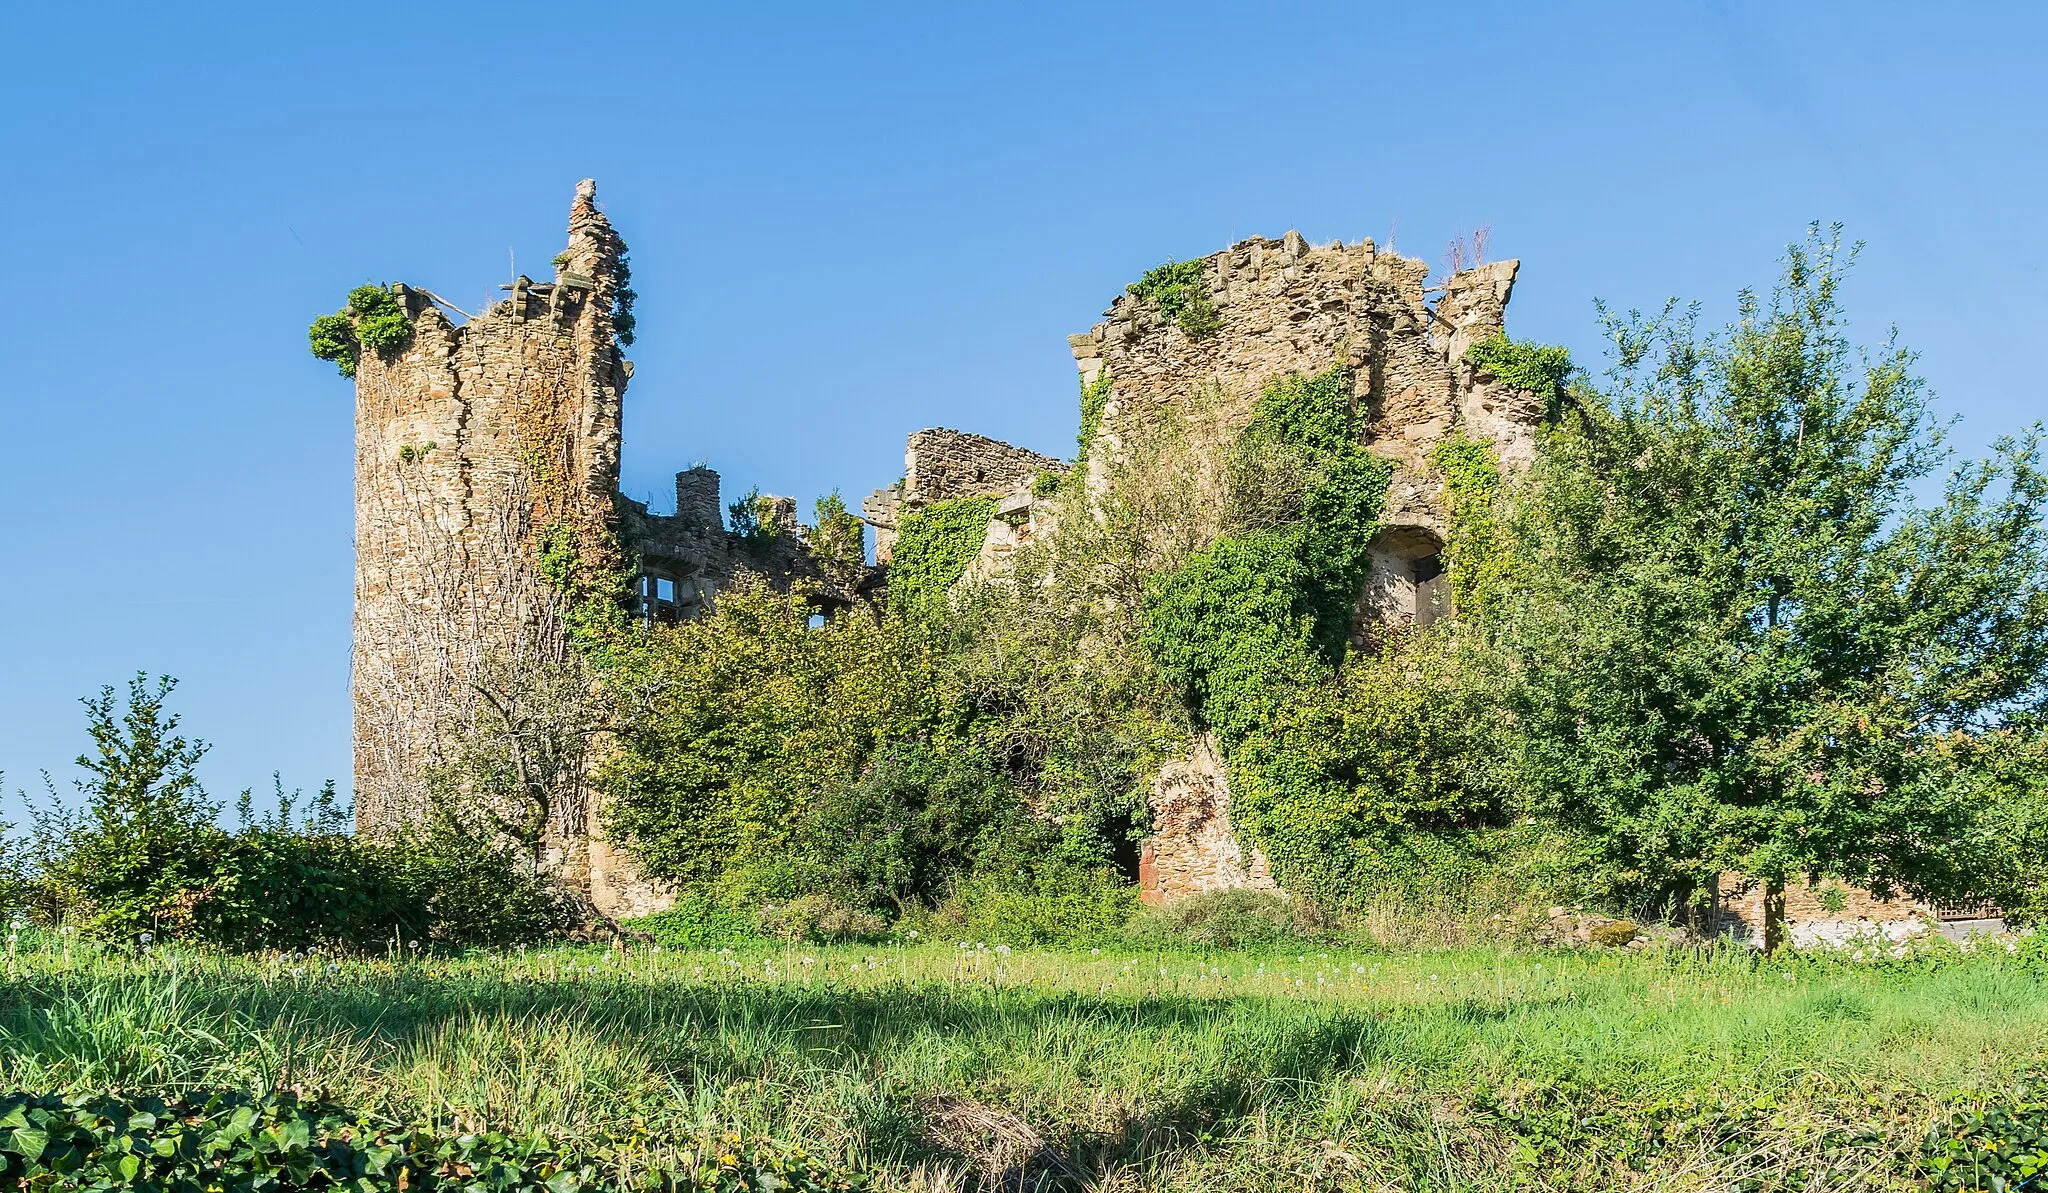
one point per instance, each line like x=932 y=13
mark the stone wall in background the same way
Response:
x=1740 y=912
x=941 y=465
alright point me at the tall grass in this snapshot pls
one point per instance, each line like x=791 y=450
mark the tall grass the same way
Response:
x=941 y=1065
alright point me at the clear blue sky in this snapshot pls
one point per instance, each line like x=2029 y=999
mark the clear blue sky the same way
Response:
x=851 y=221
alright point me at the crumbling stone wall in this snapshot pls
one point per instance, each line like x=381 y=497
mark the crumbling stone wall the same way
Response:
x=688 y=557
x=1192 y=849
x=941 y=465
x=1740 y=912
x=1287 y=306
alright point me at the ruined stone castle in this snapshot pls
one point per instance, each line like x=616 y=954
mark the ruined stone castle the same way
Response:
x=480 y=446
x=487 y=441
x=487 y=463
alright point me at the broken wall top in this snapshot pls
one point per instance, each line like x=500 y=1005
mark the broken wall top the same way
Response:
x=1287 y=306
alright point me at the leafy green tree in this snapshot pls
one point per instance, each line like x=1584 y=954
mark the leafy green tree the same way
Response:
x=735 y=724
x=1739 y=637
x=135 y=854
x=2003 y=776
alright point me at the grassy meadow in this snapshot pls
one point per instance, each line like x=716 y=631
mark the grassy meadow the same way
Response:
x=938 y=1066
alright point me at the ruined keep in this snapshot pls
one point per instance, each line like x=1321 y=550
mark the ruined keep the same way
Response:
x=470 y=442
x=487 y=491
x=1287 y=306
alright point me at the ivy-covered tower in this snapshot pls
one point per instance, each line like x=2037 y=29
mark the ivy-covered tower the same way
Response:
x=483 y=449
x=1193 y=345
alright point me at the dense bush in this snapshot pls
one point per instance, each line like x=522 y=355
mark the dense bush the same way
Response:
x=745 y=719
x=234 y=1141
x=145 y=853
x=693 y=921
x=915 y=818
x=1231 y=919
x=469 y=886
x=1036 y=904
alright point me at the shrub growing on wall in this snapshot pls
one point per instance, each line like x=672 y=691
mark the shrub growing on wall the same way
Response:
x=1537 y=368
x=1180 y=290
x=374 y=319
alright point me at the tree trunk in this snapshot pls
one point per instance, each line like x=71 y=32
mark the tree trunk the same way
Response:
x=1774 y=916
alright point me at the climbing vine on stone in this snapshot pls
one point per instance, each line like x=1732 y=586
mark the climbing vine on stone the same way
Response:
x=1094 y=396
x=1329 y=770
x=933 y=548
x=624 y=321
x=374 y=319
x=1478 y=551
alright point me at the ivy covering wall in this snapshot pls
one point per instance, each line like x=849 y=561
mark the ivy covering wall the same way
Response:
x=934 y=547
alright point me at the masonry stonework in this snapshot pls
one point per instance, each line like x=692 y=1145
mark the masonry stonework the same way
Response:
x=466 y=442
x=1192 y=850
x=942 y=465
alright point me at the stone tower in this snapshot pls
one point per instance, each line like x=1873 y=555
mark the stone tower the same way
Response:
x=1288 y=306
x=474 y=441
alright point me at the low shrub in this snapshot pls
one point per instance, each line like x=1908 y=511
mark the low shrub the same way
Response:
x=472 y=888
x=234 y=1141
x=820 y=919
x=695 y=922
x=145 y=853
x=1229 y=919
x=1046 y=904
x=274 y=888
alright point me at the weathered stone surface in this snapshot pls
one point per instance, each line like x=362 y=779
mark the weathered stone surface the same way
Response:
x=1739 y=912
x=462 y=441
x=1192 y=849
x=469 y=444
